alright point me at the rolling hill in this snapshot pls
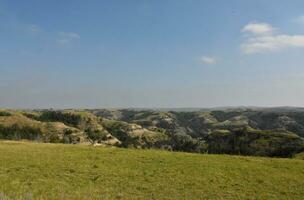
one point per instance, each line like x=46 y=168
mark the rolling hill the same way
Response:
x=276 y=132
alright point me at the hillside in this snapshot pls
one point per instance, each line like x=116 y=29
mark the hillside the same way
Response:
x=269 y=132
x=59 y=171
x=254 y=131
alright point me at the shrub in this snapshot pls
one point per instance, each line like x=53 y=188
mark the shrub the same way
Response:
x=18 y=132
x=5 y=113
x=184 y=142
x=96 y=135
x=67 y=118
x=255 y=142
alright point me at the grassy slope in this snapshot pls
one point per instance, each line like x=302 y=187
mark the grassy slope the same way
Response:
x=58 y=171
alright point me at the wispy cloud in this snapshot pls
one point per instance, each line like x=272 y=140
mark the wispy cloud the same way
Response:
x=264 y=39
x=209 y=60
x=67 y=37
x=272 y=43
x=299 y=19
x=34 y=28
x=62 y=41
x=259 y=28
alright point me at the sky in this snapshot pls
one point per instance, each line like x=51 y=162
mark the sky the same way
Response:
x=151 y=53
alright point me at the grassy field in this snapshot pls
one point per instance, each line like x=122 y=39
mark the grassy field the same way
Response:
x=57 y=171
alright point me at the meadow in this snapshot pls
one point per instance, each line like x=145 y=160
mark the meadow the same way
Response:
x=30 y=170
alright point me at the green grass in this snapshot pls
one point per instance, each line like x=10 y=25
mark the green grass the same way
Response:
x=300 y=156
x=58 y=171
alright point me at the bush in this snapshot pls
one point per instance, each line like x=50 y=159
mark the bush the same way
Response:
x=184 y=142
x=16 y=132
x=67 y=118
x=5 y=114
x=96 y=135
x=255 y=142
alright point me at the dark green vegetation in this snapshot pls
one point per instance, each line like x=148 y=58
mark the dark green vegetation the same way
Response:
x=258 y=132
x=59 y=171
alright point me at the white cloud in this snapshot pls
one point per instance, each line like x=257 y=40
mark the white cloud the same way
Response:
x=66 y=37
x=208 y=60
x=259 y=28
x=272 y=43
x=267 y=41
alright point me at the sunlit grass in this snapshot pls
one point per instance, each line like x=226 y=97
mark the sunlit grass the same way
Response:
x=57 y=171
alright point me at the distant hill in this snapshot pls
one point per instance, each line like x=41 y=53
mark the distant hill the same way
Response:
x=223 y=108
x=275 y=132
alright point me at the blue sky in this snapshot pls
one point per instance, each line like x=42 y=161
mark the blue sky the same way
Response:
x=151 y=53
